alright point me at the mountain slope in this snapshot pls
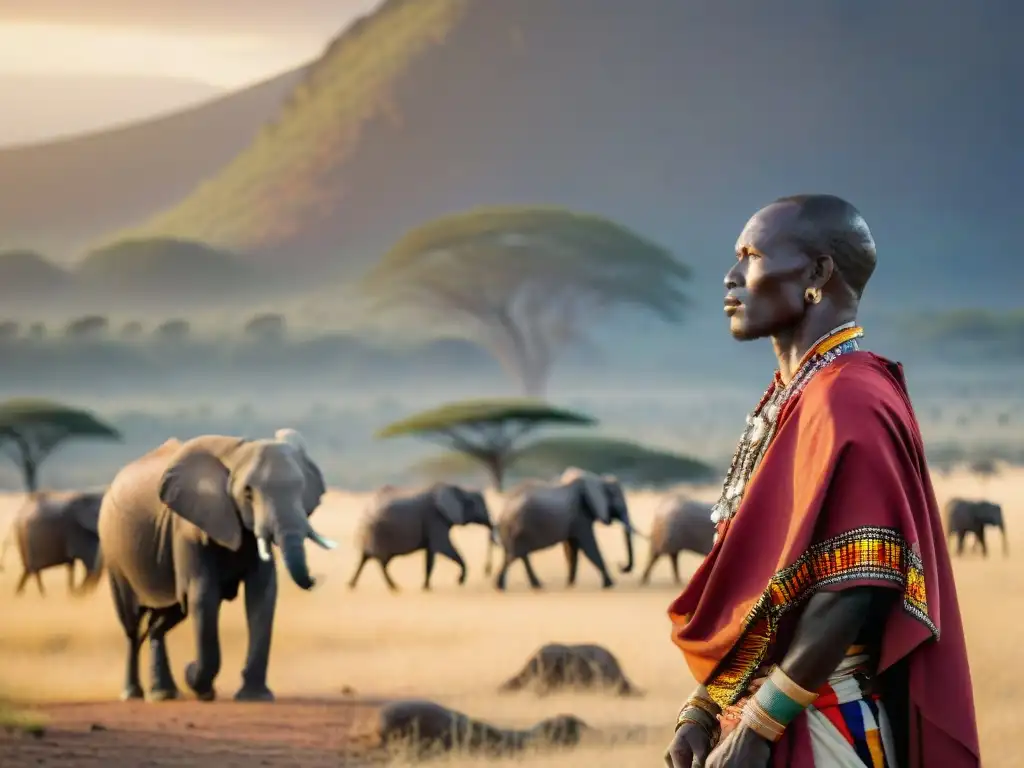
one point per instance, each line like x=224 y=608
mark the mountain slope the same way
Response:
x=59 y=197
x=41 y=108
x=677 y=118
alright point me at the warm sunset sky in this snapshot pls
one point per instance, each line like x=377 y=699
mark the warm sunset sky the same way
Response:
x=226 y=43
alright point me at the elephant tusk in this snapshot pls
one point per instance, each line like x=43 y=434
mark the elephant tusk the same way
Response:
x=635 y=532
x=264 y=549
x=320 y=541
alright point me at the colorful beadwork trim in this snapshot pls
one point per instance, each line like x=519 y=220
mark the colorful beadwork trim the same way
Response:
x=875 y=553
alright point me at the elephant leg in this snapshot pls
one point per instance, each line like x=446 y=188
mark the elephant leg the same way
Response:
x=128 y=613
x=447 y=549
x=22 y=582
x=506 y=561
x=161 y=683
x=674 y=559
x=359 y=570
x=980 y=534
x=260 y=605
x=387 y=577
x=645 y=577
x=428 y=567
x=530 y=574
x=572 y=560
x=588 y=544
x=960 y=535
x=71 y=578
x=39 y=583
x=204 y=605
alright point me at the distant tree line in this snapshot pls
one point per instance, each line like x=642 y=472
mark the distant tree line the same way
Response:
x=263 y=326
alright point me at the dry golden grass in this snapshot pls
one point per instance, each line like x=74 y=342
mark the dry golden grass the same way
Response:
x=456 y=645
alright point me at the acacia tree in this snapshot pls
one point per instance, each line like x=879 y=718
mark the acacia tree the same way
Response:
x=485 y=430
x=628 y=460
x=31 y=429
x=525 y=282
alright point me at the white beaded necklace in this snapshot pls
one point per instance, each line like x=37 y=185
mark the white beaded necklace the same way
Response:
x=762 y=423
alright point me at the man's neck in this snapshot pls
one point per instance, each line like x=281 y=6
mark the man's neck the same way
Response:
x=793 y=345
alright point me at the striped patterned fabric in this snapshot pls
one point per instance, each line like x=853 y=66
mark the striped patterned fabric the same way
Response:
x=856 y=716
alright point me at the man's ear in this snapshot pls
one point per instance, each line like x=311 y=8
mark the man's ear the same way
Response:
x=824 y=269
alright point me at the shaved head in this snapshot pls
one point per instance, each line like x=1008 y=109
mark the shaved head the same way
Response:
x=829 y=225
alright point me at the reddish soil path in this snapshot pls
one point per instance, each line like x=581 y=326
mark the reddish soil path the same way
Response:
x=291 y=732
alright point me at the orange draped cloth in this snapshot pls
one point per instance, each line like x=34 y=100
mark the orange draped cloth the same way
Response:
x=841 y=498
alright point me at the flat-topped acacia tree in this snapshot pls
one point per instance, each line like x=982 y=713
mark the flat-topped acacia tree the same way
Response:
x=31 y=429
x=524 y=282
x=487 y=430
x=631 y=462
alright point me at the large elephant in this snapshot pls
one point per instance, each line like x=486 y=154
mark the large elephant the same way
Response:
x=401 y=521
x=539 y=515
x=679 y=525
x=184 y=526
x=964 y=516
x=58 y=528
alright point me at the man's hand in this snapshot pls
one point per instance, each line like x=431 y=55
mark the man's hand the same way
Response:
x=692 y=742
x=742 y=748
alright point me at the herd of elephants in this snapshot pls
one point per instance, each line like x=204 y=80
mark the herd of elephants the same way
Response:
x=181 y=528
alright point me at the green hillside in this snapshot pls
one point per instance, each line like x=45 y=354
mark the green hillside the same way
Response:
x=63 y=197
x=644 y=112
x=275 y=190
x=27 y=277
x=161 y=267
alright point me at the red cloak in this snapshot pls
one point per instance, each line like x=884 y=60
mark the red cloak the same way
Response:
x=842 y=498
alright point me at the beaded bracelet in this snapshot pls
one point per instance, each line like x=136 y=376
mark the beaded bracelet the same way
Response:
x=760 y=722
x=687 y=720
x=785 y=684
x=782 y=699
x=705 y=705
x=686 y=715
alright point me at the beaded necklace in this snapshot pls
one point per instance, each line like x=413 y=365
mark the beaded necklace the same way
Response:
x=762 y=422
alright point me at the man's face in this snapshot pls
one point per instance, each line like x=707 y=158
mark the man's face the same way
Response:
x=765 y=288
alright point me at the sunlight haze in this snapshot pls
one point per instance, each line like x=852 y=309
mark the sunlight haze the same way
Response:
x=221 y=59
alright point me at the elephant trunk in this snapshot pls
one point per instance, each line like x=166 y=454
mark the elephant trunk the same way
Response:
x=627 y=529
x=294 y=552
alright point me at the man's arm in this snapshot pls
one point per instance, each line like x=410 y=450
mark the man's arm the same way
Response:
x=830 y=624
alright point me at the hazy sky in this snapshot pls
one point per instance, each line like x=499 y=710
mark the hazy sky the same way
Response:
x=223 y=42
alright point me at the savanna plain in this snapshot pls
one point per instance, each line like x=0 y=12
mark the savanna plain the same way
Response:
x=337 y=653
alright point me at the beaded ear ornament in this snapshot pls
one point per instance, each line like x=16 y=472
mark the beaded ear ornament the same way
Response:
x=762 y=422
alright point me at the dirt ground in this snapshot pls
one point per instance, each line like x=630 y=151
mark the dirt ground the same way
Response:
x=338 y=653
x=290 y=732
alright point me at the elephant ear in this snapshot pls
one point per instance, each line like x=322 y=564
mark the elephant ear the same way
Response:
x=449 y=504
x=594 y=496
x=314 y=488
x=85 y=511
x=196 y=486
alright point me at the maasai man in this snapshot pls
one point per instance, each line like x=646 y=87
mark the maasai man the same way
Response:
x=823 y=626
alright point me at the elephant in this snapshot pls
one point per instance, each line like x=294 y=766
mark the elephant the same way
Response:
x=539 y=515
x=58 y=528
x=400 y=521
x=183 y=527
x=555 y=667
x=680 y=524
x=964 y=516
x=425 y=727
